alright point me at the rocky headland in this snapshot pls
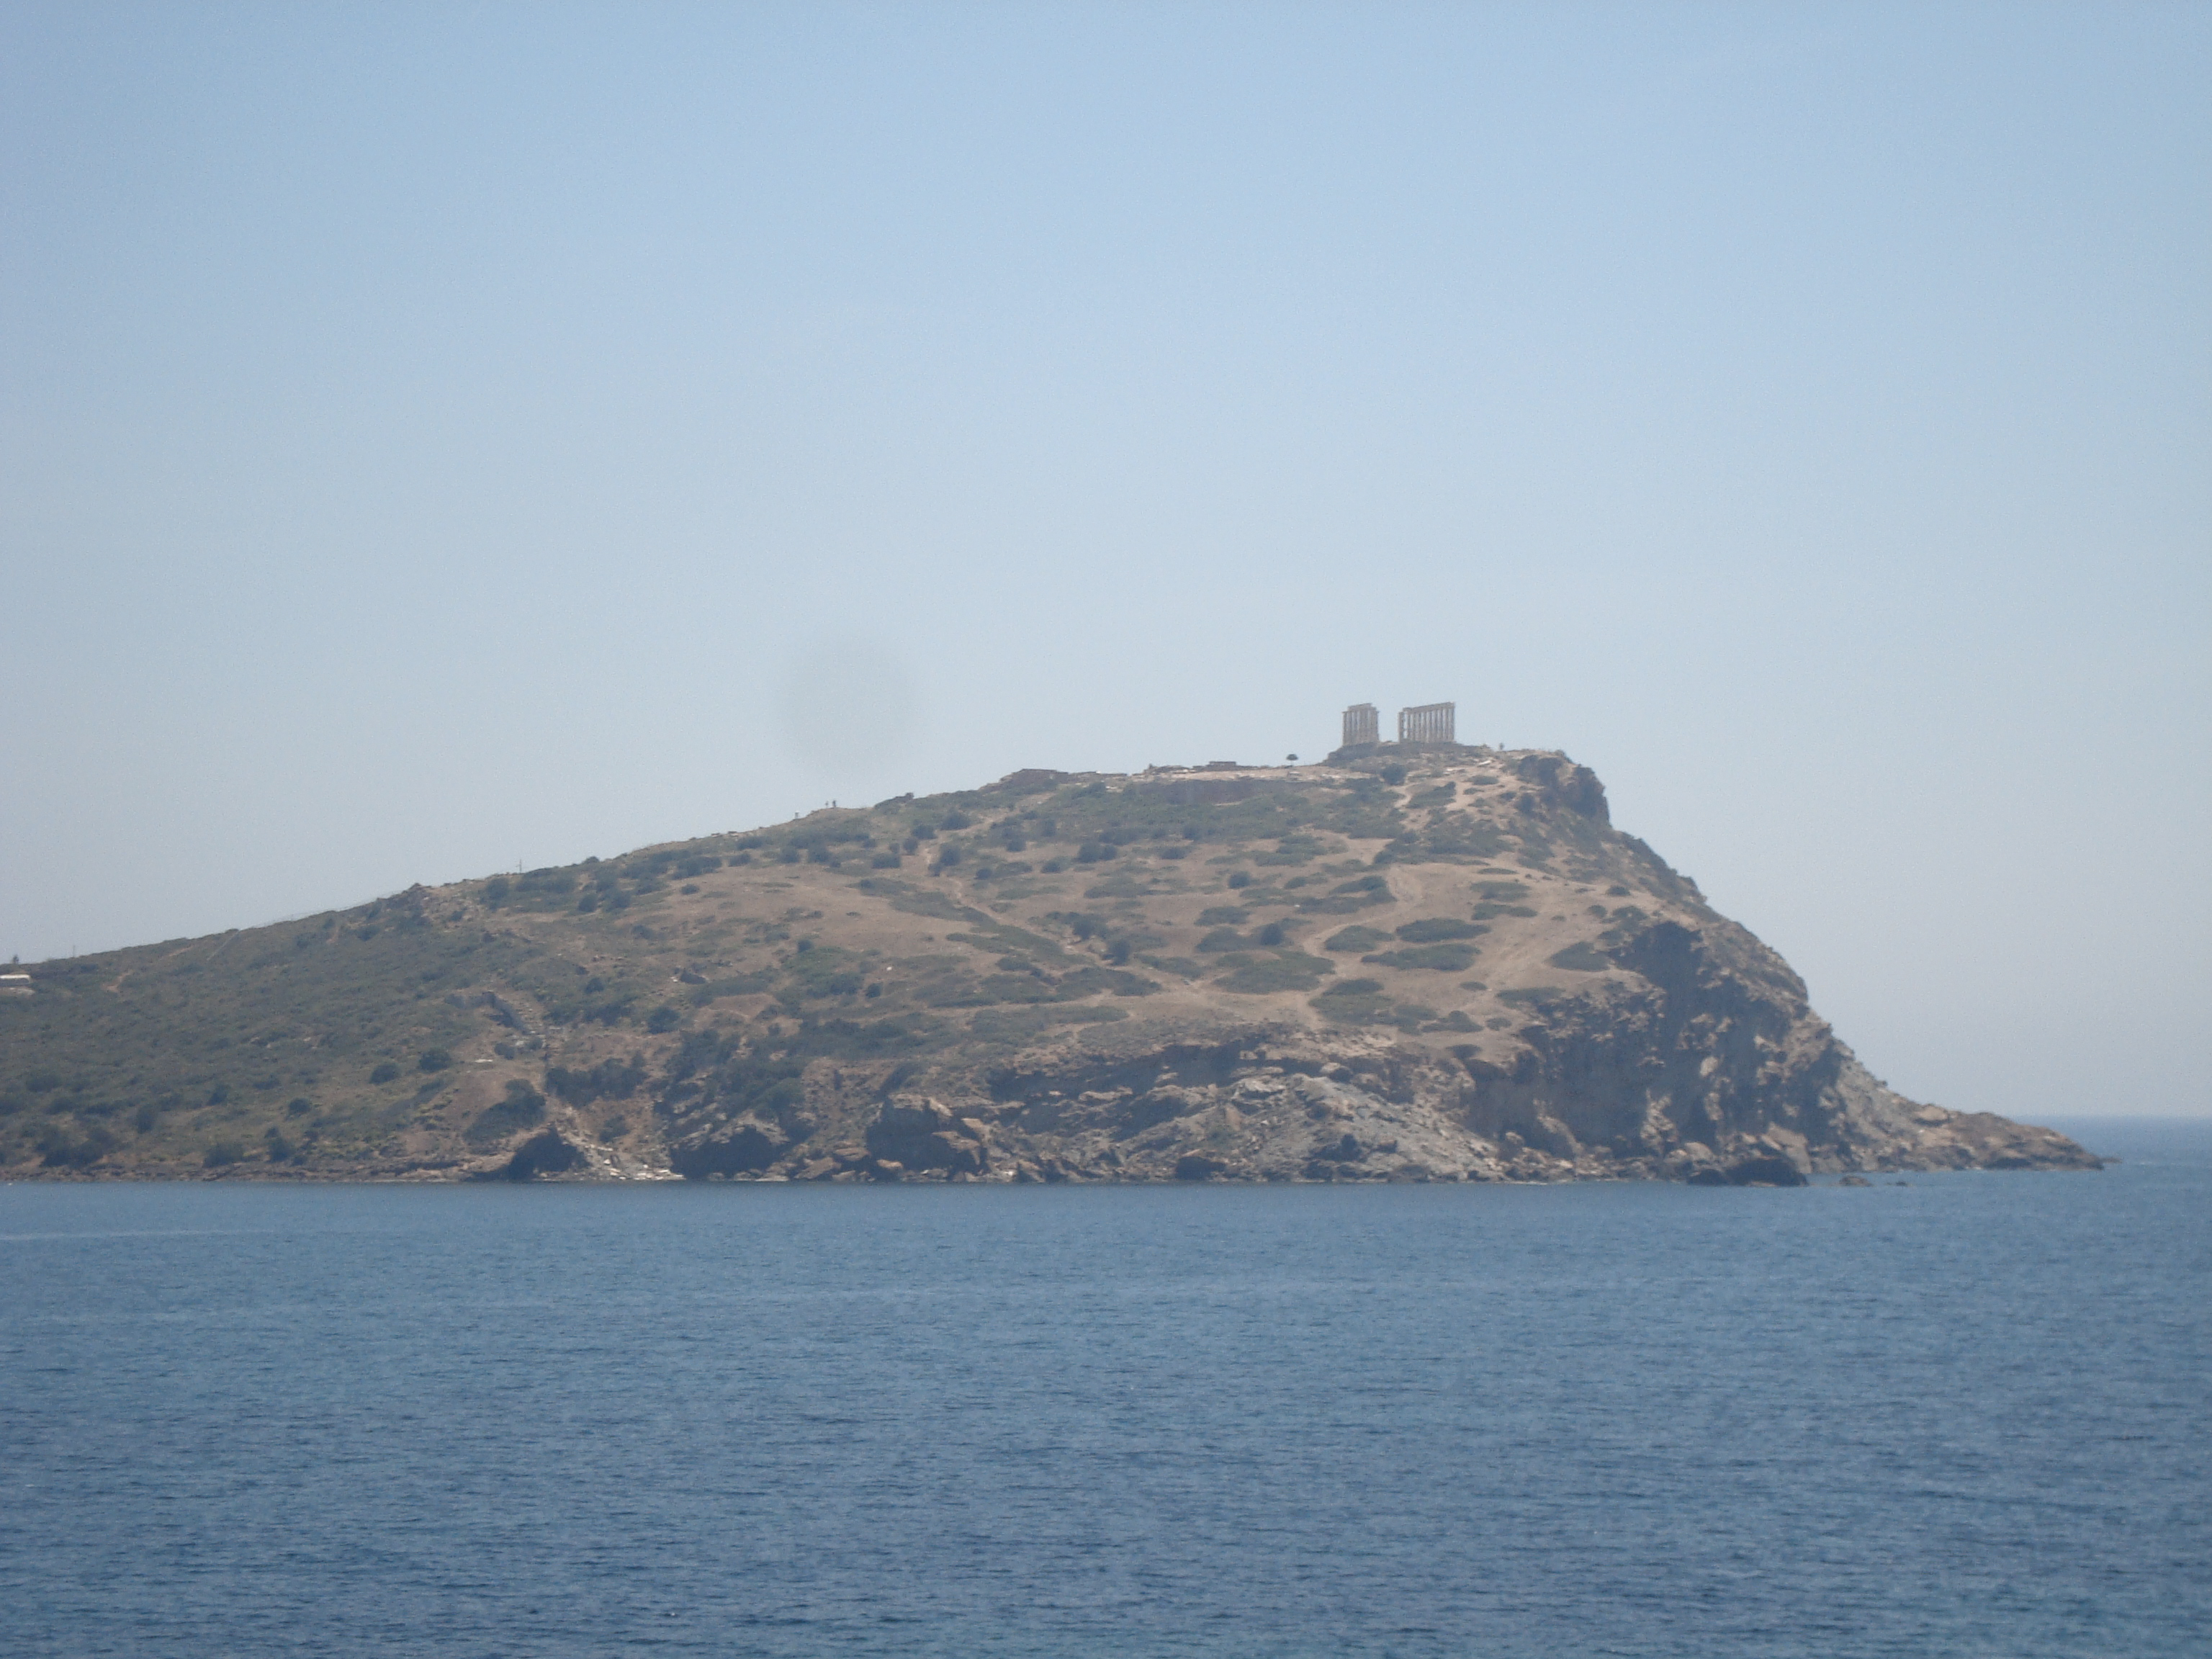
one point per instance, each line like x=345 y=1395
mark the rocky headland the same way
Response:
x=1411 y=963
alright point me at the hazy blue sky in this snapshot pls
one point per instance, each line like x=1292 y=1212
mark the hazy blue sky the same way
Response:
x=437 y=439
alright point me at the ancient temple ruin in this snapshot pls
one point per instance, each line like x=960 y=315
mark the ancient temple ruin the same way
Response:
x=1431 y=722
x=1362 y=723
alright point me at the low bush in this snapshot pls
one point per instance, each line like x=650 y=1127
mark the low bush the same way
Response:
x=1356 y=939
x=522 y=1107
x=58 y=1149
x=1437 y=958
x=1288 y=970
x=433 y=1059
x=1240 y=878
x=611 y=1080
x=1581 y=957
x=1432 y=929
x=1353 y=987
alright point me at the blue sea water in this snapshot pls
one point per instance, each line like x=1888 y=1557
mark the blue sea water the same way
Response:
x=1971 y=1415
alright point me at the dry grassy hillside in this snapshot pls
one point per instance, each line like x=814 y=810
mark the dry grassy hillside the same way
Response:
x=1411 y=962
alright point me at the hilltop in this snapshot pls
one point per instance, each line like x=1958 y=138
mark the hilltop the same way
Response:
x=1414 y=961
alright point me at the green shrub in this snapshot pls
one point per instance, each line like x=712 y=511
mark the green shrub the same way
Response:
x=1432 y=929
x=1240 y=878
x=1221 y=915
x=1581 y=957
x=523 y=1107
x=433 y=1059
x=221 y=1154
x=1393 y=775
x=1224 y=938
x=663 y=1018
x=384 y=1071
x=611 y=1080
x=1287 y=971
x=1353 y=987
x=1439 y=958
x=1352 y=999
x=1356 y=939
x=57 y=1150
x=1360 y=893
x=298 y=1106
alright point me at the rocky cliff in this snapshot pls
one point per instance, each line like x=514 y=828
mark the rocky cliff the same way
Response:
x=1411 y=963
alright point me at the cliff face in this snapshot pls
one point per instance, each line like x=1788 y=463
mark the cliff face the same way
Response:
x=1409 y=963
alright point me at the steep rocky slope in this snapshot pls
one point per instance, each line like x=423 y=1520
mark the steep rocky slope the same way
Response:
x=1411 y=962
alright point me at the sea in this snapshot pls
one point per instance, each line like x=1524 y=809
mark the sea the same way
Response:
x=1950 y=1414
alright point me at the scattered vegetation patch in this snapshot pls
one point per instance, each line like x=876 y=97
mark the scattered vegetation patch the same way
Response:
x=1439 y=958
x=1347 y=897
x=1432 y=929
x=1581 y=957
x=1286 y=970
x=1355 y=937
x=522 y=1107
x=611 y=1080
